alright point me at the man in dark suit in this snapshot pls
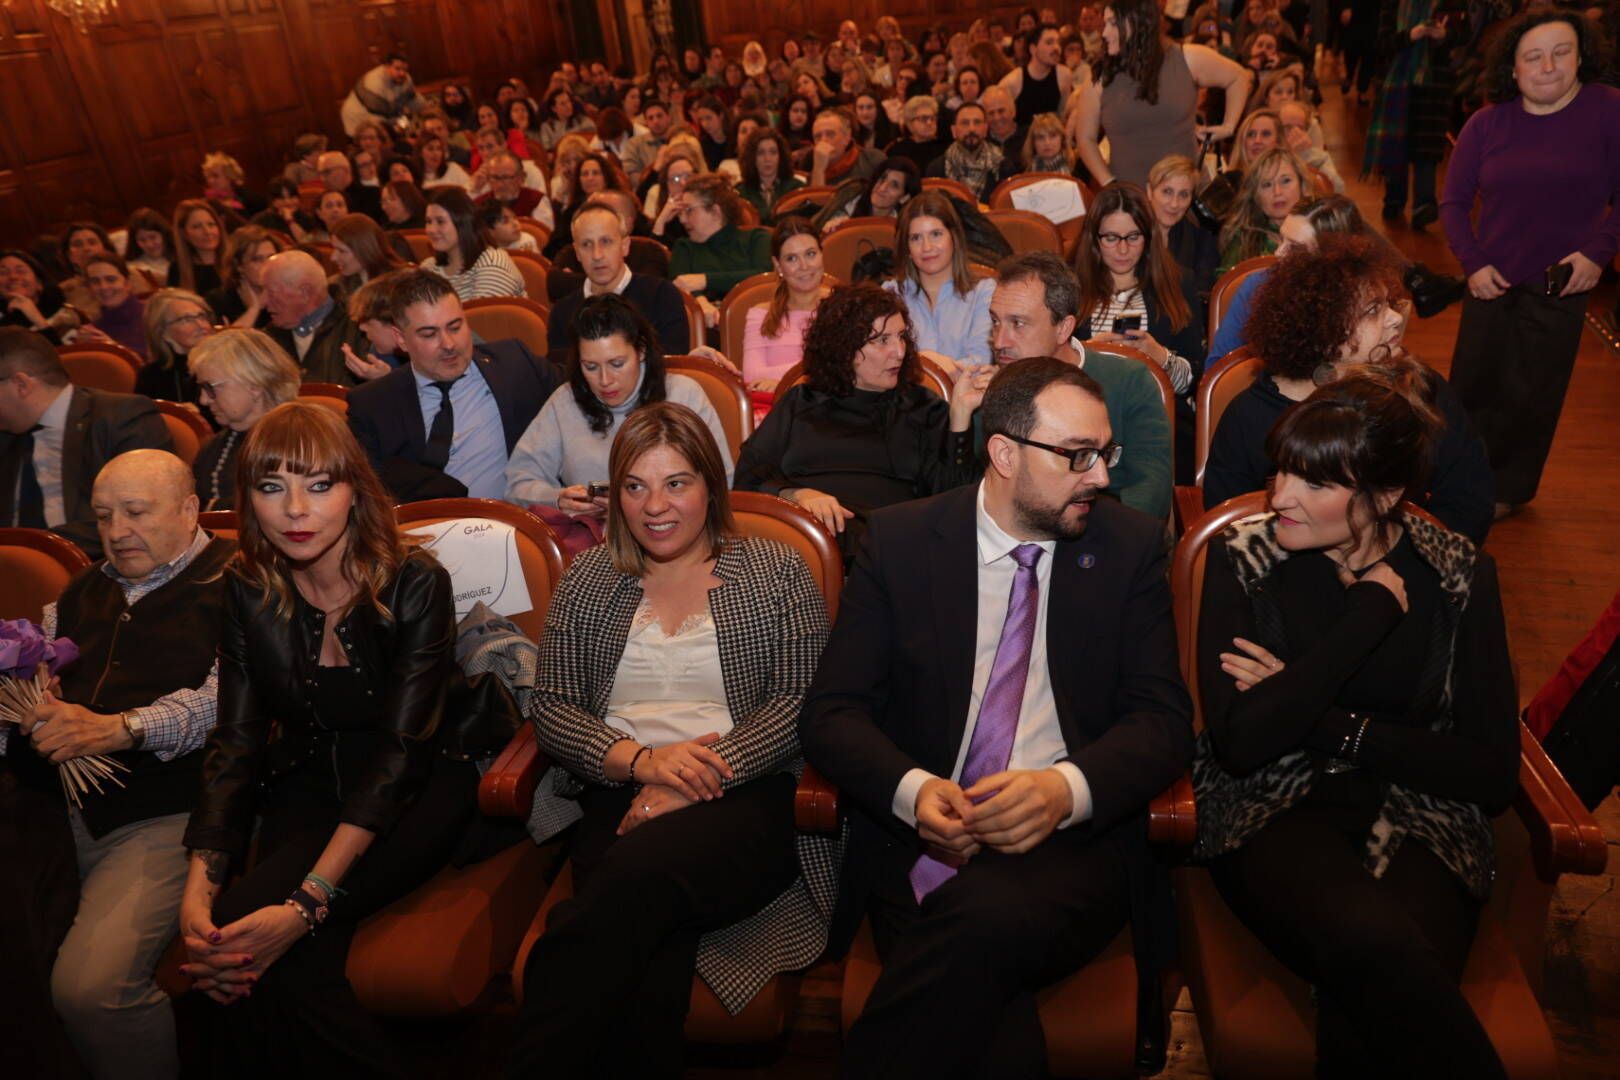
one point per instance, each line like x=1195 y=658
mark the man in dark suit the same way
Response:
x=602 y=246
x=999 y=701
x=445 y=423
x=55 y=437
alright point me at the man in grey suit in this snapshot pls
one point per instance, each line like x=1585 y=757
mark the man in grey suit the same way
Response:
x=55 y=437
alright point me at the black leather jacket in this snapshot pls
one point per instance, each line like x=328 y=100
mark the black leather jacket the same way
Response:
x=267 y=721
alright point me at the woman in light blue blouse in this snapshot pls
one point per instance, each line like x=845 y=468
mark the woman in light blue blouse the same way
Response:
x=950 y=311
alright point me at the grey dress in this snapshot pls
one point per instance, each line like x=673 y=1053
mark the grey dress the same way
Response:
x=1140 y=134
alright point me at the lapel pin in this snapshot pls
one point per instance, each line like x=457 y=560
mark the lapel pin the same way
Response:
x=1087 y=561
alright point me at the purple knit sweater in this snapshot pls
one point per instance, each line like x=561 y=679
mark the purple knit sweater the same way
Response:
x=1547 y=186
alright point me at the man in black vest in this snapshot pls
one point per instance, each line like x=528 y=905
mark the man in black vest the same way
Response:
x=55 y=437
x=143 y=692
x=1043 y=84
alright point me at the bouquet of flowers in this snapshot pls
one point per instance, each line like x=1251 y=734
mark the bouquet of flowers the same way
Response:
x=28 y=660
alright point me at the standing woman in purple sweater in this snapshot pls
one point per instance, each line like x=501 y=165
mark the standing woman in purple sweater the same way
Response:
x=1544 y=162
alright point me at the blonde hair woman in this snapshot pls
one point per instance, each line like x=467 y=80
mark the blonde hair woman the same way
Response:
x=1272 y=187
x=241 y=374
x=176 y=322
x=1047 y=149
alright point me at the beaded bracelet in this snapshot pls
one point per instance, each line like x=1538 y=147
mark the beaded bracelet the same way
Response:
x=309 y=920
x=313 y=909
x=332 y=891
x=1355 y=747
x=643 y=750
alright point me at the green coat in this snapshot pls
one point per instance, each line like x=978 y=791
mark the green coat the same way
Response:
x=757 y=200
x=725 y=258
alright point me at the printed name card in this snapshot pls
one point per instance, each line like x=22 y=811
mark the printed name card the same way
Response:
x=482 y=558
x=1056 y=200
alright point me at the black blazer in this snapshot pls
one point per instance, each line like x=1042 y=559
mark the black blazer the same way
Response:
x=654 y=297
x=267 y=722
x=100 y=426
x=386 y=416
x=891 y=693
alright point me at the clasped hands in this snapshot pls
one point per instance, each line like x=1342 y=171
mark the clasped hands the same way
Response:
x=225 y=963
x=1011 y=812
x=676 y=776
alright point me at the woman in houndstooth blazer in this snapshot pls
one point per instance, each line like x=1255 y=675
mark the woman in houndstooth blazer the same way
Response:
x=674 y=662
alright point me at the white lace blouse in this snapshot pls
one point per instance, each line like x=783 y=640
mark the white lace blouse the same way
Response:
x=669 y=687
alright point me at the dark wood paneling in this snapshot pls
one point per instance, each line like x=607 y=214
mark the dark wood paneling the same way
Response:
x=98 y=123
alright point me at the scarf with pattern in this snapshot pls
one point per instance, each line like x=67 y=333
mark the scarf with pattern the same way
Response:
x=974 y=168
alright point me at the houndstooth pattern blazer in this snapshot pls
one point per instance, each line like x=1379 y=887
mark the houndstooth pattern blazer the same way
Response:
x=771 y=623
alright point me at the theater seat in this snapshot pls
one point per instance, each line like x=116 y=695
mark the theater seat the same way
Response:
x=497 y=318
x=35 y=566
x=1256 y=1017
x=844 y=246
x=725 y=390
x=101 y=365
x=1220 y=297
x=186 y=427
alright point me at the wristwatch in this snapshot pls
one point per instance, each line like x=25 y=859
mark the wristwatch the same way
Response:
x=135 y=727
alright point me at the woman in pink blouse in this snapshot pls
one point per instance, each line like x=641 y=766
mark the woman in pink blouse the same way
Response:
x=773 y=338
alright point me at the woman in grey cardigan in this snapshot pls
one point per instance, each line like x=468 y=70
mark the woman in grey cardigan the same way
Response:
x=674 y=662
x=616 y=368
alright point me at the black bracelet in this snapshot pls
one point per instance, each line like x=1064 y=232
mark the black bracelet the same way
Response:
x=643 y=750
x=310 y=906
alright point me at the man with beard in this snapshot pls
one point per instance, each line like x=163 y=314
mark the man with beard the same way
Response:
x=999 y=701
x=1033 y=312
x=972 y=159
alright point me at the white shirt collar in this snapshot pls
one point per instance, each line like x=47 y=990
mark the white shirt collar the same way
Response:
x=55 y=414
x=994 y=543
x=618 y=288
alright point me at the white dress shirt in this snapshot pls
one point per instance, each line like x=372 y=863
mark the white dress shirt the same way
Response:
x=617 y=287
x=48 y=456
x=1038 y=743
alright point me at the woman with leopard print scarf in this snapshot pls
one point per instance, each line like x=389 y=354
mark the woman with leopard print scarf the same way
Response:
x=1361 y=727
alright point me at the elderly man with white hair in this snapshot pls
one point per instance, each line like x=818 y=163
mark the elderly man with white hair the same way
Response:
x=143 y=691
x=306 y=321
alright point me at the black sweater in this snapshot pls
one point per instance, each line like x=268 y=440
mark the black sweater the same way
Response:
x=867 y=450
x=1353 y=650
x=1461 y=490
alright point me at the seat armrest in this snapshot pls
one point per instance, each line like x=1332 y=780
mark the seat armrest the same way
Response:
x=1564 y=836
x=507 y=789
x=1188 y=505
x=815 y=803
x=1173 y=814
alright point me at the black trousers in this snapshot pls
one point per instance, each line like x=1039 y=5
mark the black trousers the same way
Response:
x=302 y=1017
x=607 y=987
x=957 y=993
x=1384 y=954
x=39 y=895
x=1511 y=368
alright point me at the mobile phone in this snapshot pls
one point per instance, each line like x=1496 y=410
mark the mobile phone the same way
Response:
x=1126 y=323
x=1558 y=275
x=596 y=489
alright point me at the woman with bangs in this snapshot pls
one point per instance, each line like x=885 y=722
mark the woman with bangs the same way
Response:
x=345 y=728
x=1361 y=730
x=860 y=433
x=1273 y=185
x=1320 y=314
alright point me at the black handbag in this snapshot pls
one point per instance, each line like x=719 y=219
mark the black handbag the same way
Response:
x=1211 y=203
x=1585 y=741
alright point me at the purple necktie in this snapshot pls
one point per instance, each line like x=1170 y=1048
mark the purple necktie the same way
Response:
x=991 y=747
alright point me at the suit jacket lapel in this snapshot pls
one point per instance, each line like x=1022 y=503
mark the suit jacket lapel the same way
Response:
x=409 y=406
x=953 y=560
x=75 y=433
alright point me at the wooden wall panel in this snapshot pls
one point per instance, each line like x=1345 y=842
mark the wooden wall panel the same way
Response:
x=98 y=123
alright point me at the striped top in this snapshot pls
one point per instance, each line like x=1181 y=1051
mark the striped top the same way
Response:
x=492 y=274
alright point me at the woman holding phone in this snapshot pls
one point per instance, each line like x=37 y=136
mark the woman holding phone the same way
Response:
x=1541 y=241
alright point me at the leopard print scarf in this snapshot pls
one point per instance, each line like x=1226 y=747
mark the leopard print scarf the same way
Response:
x=1231 y=808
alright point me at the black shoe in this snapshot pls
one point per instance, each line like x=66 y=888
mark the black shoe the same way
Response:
x=1432 y=293
x=1425 y=215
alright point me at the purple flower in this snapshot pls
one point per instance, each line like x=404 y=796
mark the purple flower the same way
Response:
x=23 y=647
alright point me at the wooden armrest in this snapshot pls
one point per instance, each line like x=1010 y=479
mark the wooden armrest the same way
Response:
x=507 y=789
x=815 y=804
x=1173 y=814
x=1564 y=836
x=1189 y=505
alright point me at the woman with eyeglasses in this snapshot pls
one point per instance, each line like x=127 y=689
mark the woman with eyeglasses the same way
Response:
x=1131 y=290
x=241 y=375
x=1322 y=314
x=860 y=433
x=177 y=321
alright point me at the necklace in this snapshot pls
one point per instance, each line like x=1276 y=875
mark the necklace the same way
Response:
x=219 y=466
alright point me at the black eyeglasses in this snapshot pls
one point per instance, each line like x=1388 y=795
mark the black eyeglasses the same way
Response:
x=1083 y=459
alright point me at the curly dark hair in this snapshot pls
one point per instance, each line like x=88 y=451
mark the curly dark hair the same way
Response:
x=1500 y=85
x=1309 y=305
x=1141 y=52
x=842 y=327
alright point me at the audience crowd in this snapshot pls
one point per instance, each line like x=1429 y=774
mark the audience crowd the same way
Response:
x=524 y=297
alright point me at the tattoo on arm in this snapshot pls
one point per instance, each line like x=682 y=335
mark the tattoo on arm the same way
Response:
x=215 y=865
